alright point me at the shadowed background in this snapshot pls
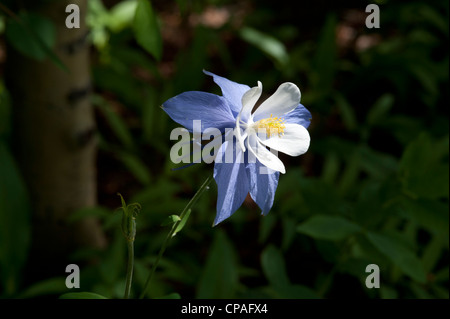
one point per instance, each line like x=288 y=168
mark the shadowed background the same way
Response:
x=80 y=121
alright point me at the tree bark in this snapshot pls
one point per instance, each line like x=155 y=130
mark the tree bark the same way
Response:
x=54 y=136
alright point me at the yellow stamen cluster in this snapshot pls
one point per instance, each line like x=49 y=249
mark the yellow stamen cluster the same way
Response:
x=272 y=125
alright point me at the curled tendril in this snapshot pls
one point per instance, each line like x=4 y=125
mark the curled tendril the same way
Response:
x=129 y=218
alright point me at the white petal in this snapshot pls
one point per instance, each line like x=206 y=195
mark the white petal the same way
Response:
x=266 y=157
x=294 y=142
x=249 y=100
x=285 y=99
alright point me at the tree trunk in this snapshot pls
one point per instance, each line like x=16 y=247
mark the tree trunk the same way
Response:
x=54 y=136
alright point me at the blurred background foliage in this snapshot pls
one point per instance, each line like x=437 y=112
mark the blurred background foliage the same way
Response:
x=372 y=189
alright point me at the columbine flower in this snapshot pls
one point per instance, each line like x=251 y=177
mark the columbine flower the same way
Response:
x=279 y=123
x=273 y=125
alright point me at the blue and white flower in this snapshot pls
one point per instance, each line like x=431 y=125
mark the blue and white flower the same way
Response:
x=279 y=123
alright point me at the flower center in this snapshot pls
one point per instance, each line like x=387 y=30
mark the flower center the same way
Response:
x=272 y=125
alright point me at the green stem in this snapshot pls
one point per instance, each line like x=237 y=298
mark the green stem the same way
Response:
x=130 y=267
x=191 y=203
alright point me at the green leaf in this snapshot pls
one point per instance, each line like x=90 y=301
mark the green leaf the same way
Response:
x=347 y=113
x=363 y=249
x=399 y=254
x=274 y=268
x=173 y=295
x=313 y=192
x=19 y=34
x=328 y=227
x=111 y=266
x=442 y=275
x=289 y=232
x=82 y=295
x=33 y=36
x=122 y=15
x=351 y=172
x=435 y=17
x=432 y=253
x=326 y=56
x=379 y=165
x=136 y=167
x=380 y=109
x=440 y=292
x=171 y=220
x=15 y=225
x=331 y=168
x=267 y=224
x=124 y=204
x=424 y=169
x=97 y=17
x=182 y=222
x=146 y=29
x=430 y=214
x=420 y=291
x=387 y=292
x=402 y=127
x=219 y=278
x=116 y=123
x=266 y=43
x=46 y=287
x=2 y=24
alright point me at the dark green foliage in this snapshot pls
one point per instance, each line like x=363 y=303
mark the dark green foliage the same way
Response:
x=372 y=189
